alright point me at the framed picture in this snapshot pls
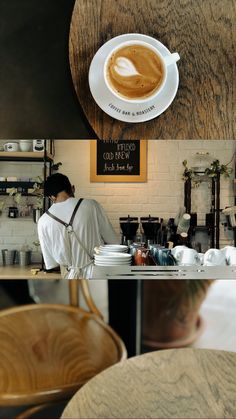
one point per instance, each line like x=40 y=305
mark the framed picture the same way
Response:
x=118 y=160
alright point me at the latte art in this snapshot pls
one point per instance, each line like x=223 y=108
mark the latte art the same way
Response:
x=135 y=72
x=125 y=67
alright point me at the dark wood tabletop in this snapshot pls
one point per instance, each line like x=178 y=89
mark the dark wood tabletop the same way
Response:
x=176 y=383
x=202 y=32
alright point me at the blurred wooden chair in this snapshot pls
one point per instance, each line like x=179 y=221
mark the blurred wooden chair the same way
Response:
x=48 y=351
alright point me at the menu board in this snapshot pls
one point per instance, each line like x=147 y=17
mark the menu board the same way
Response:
x=118 y=160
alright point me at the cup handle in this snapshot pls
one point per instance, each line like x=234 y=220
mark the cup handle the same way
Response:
x=179 y=255
x=172 y=59
x=209 y=257
x=96 y=250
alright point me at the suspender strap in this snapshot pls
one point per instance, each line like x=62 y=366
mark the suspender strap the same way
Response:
x=72 y=217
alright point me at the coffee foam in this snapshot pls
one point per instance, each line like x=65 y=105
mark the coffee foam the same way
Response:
x=135 y=72
x=124 y=67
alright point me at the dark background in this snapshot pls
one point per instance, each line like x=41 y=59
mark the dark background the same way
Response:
x=37 y=97
x=37 y=100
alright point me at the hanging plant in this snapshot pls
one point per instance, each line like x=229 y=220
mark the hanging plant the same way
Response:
x=56 y=166
x=38 y=191
x=189 y=174
x=16 y=195
x=217 y=168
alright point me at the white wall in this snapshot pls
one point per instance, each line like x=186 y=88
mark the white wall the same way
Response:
x=162 y=194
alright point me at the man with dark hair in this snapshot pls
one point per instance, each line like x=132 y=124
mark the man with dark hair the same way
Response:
x=71 y=228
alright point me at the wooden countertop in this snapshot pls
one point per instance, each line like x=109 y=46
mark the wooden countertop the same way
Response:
x=24 y=272
x=203 y=34
x=177 y=383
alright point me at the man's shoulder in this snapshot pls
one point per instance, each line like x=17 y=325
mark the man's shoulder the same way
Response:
x=41 y=219
x=89 y=202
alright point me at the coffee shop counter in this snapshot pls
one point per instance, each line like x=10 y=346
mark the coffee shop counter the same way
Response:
x=26 y=272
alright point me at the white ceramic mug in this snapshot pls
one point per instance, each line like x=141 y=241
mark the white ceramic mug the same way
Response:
x=232 y=257
x=25 y=145
x=214 y=257
x=11 y=146
x=177 y=250
x=128 y=69
x=230 y=254
x=188 y=257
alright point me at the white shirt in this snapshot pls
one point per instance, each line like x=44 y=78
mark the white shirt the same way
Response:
x=59 y=247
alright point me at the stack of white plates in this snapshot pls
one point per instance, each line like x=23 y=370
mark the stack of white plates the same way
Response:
x=112 y=248
x=113 y=259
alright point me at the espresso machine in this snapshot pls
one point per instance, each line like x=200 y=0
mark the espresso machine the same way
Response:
x=151 y=227
x=129 y=227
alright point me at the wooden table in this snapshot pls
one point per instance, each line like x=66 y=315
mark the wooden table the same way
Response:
x=24 y=272
x=177 y=383
x=201 y=31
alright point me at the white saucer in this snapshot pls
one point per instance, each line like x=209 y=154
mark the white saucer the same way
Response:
x=130 y=112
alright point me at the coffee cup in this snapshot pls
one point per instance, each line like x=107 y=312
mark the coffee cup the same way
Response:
x=188 y=257
x=25 y=145
x=230 y=254
x=164 y=257
x=136 y=72
x=232 y=257
x=176 y=250
x=11 y=146
x=214 y=257
x=141 y=256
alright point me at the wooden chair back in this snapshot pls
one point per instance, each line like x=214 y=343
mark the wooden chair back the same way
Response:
x=48 y=351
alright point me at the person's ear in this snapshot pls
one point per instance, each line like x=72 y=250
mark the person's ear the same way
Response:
x=73 y=189
x=53 y=198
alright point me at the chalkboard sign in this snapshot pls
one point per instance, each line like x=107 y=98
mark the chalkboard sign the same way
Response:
x=118 y=160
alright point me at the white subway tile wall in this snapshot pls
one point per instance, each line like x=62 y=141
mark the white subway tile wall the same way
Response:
x=163 y=193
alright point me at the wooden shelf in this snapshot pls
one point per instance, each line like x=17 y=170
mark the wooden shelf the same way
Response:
x=25 y=156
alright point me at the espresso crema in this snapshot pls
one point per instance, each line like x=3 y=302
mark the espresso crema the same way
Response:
x=135 y=72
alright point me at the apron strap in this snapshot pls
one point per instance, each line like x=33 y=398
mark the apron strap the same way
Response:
x=75 y=210
x=72 y=217
x=69 y=228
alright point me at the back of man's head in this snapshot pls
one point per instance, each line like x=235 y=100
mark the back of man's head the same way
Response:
x=57 y=183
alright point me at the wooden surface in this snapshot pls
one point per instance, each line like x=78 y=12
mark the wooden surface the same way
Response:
x=178 y=383
x=24 y=154
x=201 y=31
x=24 y=272
x=48 y=351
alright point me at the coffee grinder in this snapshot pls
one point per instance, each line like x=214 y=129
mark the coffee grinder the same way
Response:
x=129 y=226
x=150 y=228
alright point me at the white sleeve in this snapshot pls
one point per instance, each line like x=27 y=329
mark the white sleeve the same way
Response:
x=106 y=230
x=49 y=261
